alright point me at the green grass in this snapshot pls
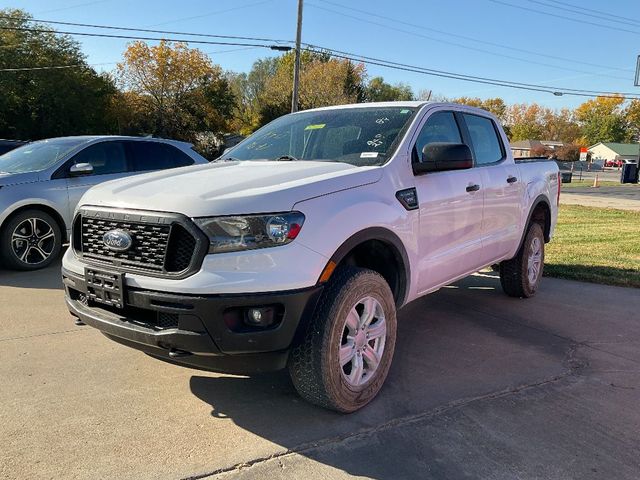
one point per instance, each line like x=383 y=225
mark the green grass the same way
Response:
x=596 y=245
x=603 y=183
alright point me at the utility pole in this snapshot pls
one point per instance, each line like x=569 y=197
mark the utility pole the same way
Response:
x=296 y=66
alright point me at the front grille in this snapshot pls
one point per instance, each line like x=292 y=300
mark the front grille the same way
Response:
x=162 y=244
x=148 y=249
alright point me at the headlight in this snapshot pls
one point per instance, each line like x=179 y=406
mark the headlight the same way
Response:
x=248 y=232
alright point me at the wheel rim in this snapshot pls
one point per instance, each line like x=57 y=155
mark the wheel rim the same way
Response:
x=362 y=343
x=534 y=262
x=33 y=241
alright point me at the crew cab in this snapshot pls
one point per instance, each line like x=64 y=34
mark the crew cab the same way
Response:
x=298 y=246
x=41 y=183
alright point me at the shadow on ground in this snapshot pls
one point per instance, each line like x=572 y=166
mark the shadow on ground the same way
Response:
x=444 y=356
x=47 y=278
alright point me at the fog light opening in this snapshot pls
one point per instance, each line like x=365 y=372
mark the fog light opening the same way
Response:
x=259 y=316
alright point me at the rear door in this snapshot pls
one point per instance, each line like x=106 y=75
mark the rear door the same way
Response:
x=109 y=161
x=451 y=205
x=503 y=189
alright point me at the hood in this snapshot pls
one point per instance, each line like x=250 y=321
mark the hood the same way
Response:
x=231 y=187
x=7 y=179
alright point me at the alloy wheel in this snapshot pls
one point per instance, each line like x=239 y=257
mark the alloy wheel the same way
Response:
x=33 y=241
x=363 y=340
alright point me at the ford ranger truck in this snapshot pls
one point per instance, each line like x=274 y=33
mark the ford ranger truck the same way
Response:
x=297 y=247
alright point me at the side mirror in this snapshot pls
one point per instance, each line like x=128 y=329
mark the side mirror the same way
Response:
x=80 y=170
x=439 y=157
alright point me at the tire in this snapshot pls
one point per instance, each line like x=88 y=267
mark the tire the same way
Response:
x=520 y=277
x=315 y=365
x=30 y=240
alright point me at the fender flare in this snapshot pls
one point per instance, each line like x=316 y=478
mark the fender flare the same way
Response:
x=388 y=237
x=540 y=199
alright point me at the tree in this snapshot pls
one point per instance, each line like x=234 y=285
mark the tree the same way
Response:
x=602 y=120
x=568 y=153
x=173 y=91
x=52 y=102
x=323 y=81
x=493 y=105
x=632 y=117
x=377 y=90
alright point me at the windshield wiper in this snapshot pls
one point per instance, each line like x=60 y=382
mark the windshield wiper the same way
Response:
x=286 y=158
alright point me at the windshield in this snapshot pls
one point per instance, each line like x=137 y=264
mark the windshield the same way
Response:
x=37 y=156
x=359 y=136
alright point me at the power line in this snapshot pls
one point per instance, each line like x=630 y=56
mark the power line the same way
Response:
x=361 y=58
x=202 y=15
x=146 y=30
x=69 y=7
x=582 y=11
x=136 y=37
x=564 y=17
x=472 y=39
x=600 y=12
x=464 y=77
x=440 y=40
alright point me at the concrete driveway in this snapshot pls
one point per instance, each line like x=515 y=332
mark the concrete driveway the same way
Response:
x=482 y=386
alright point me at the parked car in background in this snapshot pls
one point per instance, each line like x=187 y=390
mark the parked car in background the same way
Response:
x=41 y=183
x=8 y=145
x=617 y=163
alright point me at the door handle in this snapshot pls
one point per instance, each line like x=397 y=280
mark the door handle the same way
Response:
x=473 y=188
x=511 y=179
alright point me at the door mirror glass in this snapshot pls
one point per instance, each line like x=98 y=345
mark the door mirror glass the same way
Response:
x=80 y=169
x=439 y=157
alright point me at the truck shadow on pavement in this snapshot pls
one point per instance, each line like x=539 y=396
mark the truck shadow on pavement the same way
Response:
x=48 y=278
x=451 y=349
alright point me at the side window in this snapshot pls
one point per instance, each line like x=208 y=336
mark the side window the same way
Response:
x=156 y=156
x=486 y=144
x=440 y=127
x=105 y=157
x=178 y=157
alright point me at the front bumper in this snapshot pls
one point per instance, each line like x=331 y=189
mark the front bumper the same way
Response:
x=190 y=330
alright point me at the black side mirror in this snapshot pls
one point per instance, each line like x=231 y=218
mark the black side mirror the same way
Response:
x=439 y=157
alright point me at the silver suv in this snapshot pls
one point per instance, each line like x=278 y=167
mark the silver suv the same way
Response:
x=42 y=182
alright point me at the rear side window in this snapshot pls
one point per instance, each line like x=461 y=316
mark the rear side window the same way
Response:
x=440 y=127
x=105 y=157
x=157 y=156
x=487 y=147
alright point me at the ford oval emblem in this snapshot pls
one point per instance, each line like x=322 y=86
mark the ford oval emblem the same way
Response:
x=117 y=240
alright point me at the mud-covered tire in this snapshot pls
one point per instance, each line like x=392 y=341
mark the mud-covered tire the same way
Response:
x=520 y=277
x=30 y=240
x=315 y=363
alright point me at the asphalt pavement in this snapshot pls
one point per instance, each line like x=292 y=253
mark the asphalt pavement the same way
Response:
x=482 y=386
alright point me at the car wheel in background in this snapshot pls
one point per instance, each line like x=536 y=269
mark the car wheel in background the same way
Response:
x=520 y=276
x=30 y=240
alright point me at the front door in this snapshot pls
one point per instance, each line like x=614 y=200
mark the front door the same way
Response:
x=109 y=161
x=451 y=209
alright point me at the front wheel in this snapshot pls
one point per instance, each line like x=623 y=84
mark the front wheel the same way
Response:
x=346 y=351
x=30 y=240
x=520 y=276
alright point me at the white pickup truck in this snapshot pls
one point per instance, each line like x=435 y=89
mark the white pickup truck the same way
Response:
x=296 y=248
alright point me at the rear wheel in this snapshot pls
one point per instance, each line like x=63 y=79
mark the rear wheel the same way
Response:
x=345 y=354
x=30 y=240
x=520 y=276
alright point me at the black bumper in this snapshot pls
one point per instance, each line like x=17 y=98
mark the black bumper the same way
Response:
x=190 y=330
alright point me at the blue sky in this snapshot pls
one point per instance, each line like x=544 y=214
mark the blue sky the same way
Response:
x=490 y=38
